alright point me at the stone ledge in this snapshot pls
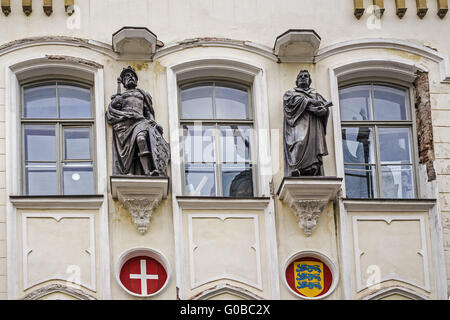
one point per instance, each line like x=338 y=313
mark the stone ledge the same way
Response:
x=388 y=205
x=307 y=197
x=140 y=195
x=57 y=202
x=217 y=203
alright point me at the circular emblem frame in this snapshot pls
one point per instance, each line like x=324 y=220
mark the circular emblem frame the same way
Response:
x=147 y=252
x=316 y=256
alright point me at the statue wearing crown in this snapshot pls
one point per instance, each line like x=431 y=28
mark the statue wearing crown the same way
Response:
x=138 y=145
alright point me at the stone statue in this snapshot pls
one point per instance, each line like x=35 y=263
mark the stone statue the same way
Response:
x=305 y=122
x=138 y=145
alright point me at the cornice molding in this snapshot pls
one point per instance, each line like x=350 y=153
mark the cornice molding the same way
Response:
x=259 y=49
x=58 y=40
x=388 y=43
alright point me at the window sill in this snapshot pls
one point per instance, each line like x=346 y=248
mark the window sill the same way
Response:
x=388 y=205
x=252 y=203
x=57 y=202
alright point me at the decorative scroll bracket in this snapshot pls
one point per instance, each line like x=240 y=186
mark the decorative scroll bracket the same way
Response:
x=140 y=195
x=307 y=197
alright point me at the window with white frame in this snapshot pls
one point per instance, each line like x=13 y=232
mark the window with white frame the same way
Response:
x=217 y=124
x=377 y=139
x=57 y=123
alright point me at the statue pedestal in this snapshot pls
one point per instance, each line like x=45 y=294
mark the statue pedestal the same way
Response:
x=307 y=197
x=140 y=195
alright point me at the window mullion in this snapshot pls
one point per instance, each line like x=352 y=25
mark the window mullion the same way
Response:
x=59 y=152
x=378 y=167
x=218 y=159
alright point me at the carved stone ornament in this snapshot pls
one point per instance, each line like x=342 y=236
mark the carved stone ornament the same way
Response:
x=141 y=210
x=53 y=288
x=140 y=196
x=307 y=213
x=307 y=197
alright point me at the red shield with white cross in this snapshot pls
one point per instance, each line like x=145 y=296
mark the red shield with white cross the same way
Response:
x=143 y=275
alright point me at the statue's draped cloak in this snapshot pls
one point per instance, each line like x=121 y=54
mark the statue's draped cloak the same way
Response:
x=126 y=127
x=304 y=132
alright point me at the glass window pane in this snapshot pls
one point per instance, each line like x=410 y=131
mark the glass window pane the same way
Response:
x=41 y=179
x=394 y=145
x=390 y=103
x=358 y=146
x=231 y=103
x=40 y=143
x=397 y=182
x=235 y=143
x=198 y=143
x=360 y=181
x=78 y=178
x=74 y=102
x=237 y=180
x=355 y=103
x=77 y=143
x=40 y=102
x=200 y=179
x=197 y=102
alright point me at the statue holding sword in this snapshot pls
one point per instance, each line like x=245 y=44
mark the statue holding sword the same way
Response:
x=138 y=145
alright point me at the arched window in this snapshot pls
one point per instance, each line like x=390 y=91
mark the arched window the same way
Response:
x=57 y=120
x=377 y=139
x=217 y=123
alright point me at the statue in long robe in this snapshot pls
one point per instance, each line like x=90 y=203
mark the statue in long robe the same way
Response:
x=305 y=121
x=138 y=145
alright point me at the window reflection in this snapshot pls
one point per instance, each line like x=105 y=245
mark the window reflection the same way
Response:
x=358 y=145
x=200 y=179
x=390 y=103
x=377 y=141
x=355 y=103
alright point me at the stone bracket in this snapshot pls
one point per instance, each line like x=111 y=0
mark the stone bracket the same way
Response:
x=140 y=195
x=307 y=197
x=135 y=43
x=297 y=46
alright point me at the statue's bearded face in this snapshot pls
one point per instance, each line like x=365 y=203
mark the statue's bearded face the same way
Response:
x=303 y=80
x=129 y=80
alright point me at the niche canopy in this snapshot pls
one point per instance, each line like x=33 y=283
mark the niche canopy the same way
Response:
x=297 y=45
x=135 y=43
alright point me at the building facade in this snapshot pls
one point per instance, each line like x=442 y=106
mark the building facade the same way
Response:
x=226 y=222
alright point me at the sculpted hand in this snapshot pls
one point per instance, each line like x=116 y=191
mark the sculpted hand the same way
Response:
x=116 y=101
x=160 y=129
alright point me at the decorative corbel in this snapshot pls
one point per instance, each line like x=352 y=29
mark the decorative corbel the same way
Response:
x=27 y=7
x=307 y=213
x=307 y=198
x=48 y=8
x=69 y=6
x=140 y=196
x=141 y=210
x=379 y=4
x=400 y=8
x=359 y=8
x=6 y=7
x=422 y=8
x=442 y=8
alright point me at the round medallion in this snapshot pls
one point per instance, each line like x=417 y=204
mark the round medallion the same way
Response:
x=142 y=272
x=310 y=275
